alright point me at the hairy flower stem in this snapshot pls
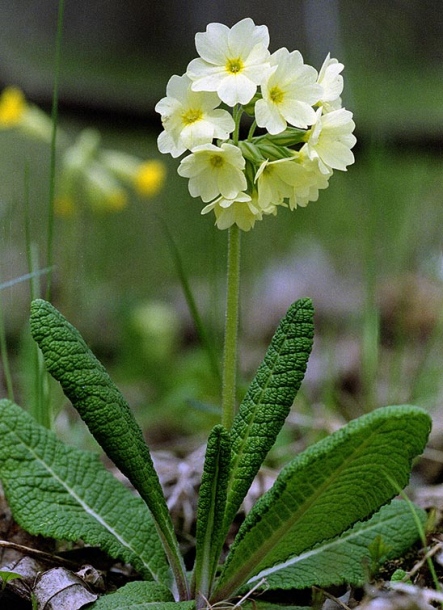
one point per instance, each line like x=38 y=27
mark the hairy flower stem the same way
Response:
x=231 y=328
x=237 y=113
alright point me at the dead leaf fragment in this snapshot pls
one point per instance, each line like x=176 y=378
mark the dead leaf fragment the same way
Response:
x=28 y=568
x=61 y=589
x=401 y=596
x=92 y=577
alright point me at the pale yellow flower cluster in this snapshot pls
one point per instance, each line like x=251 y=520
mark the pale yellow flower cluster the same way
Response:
x=102 y=177
x=305 y=133
x=88 y=173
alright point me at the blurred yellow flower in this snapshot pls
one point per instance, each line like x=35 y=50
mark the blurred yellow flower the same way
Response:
x=86 y=178
x=103 y=191
x=150 y=178
x=116 y=201
x=16 y=112
x=64 y=206
x=146 y=177
x=12 y=107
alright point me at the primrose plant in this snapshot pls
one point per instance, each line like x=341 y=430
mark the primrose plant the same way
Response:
x=330 y=507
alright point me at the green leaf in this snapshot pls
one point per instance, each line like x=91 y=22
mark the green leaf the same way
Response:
x=347 y=558
x=140 y=596
x=211 y=509
x=268 y=400
x=64 y=493
x=6 y=576
x=325 y=490
x=101 y=405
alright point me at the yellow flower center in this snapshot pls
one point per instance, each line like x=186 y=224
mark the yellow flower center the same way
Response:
x=216 y=161
x=192 y=116
x=12 y=107
x=234 y=66
x=276 y=95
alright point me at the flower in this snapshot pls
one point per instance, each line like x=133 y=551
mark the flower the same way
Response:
x=93 y=183
x=308 y=133
x=231 y=62
x=274 y=181
x=296 y=180
x=310 y=180
x=149 y=178
x=214 y=170
x=289 y=91
x=12 y=107
x=189 y=117
x=16 y=112
x=330 y=140
x=102 y=190
x=240 y=210
x=331 y=82
x=146 y=177
x=75 y=162
x=101 y=177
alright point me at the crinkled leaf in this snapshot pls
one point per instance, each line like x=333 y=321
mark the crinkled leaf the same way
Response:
x=325 y=490
x=268 y=400
x=347 y=558
x=101 y=405
x=140 y=596
x=211 y=509
x=64 y=493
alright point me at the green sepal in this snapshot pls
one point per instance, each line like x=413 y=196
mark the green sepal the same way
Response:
x=325 y=490
x=251 y=152
x=291 y=136
x=272 y=151
x=249 y=108
x=102 y=407
x=210 y=511
x=268 y=401
x=67 y=494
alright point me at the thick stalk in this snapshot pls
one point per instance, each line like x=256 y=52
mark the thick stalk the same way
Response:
x=231 y=328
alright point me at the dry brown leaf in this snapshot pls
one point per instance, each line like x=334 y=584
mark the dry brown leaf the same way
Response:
x=61 y=589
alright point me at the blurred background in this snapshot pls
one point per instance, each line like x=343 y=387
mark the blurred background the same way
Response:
x=369 y=252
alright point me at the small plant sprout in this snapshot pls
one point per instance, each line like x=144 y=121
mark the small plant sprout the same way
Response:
x=332 y=509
